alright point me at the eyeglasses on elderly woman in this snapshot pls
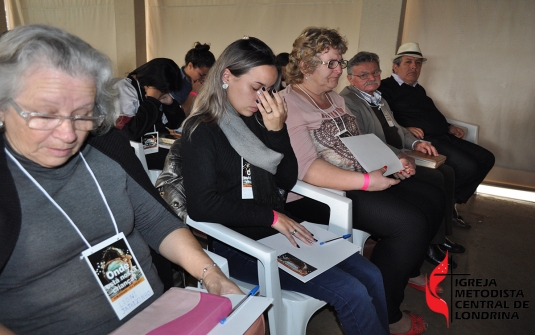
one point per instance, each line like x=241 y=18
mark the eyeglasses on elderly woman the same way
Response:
x=40 y=121
x=332 y=64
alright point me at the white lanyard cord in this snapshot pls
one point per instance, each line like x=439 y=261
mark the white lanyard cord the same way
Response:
x=369 y=103
x=56 y=204
x=324 y=112
x=388 y=118
x=101 y=194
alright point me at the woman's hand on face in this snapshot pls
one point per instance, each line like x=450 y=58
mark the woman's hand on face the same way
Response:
x=378 y=182
x=217 y=283
x=196 y=86
x=166 y=99
x=291 y=229
x=151 y=91
x=272 y=108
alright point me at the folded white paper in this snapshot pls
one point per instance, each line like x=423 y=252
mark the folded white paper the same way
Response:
x=372 y=153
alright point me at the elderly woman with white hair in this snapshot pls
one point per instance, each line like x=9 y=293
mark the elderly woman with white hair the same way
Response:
x=72 y=186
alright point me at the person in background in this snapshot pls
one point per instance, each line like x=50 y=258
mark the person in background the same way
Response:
x=282 y=60
x=404 y=217
x=199 y=60
x=69 y=182
x=363 y=99
x=416 y=111
x=146 y=105
x=237 y=124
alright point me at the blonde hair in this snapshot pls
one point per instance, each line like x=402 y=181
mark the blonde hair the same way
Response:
x=308 y=45
x=239 y=58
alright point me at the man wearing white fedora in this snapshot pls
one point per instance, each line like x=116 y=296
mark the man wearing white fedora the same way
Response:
x=414 y=110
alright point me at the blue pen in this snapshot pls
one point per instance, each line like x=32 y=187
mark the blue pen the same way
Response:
x=336 y=238
x=251 y=293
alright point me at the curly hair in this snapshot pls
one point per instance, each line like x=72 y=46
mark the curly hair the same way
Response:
x=307 y=47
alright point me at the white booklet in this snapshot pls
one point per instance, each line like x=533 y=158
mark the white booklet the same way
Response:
x=372 y=153
x=307 y=262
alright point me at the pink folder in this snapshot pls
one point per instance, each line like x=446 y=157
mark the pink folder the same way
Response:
x=179 y=311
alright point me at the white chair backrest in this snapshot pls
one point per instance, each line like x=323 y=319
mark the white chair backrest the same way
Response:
x=471 y=131
x=140 y=153
x=291 y=311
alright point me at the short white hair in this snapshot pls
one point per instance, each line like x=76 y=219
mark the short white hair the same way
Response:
x=25 y=47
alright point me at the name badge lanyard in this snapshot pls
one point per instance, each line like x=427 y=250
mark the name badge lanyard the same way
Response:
x=57 y=205
x=150 y=146
x=378 y=105
x=341 y=133
x=247 y=184
x=140 y=289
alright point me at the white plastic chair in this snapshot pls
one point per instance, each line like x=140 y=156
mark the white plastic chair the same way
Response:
x=471 y=131
x=291 y=311
x=138 y=149
x=359 y=237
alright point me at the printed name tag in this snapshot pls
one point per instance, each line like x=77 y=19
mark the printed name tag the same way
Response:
x=119 y=274
x=150 y=142
x=246 y=182
x=388 y=118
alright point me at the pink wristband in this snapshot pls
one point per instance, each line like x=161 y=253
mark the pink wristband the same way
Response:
x=193 y=93
x=366 y=182
x=275 y=218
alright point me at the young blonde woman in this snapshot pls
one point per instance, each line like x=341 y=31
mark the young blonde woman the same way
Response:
x=237 y=123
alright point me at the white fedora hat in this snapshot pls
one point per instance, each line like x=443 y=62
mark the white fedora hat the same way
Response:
x=410 y=49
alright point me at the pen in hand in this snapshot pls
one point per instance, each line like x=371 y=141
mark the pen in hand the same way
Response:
x=251 y=293
x=336 y=238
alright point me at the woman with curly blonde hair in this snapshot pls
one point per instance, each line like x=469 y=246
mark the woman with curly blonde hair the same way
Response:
x=402 y=216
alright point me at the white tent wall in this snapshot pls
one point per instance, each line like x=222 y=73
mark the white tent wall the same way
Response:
x=478 y=51
x=479 y=55
x=277 y=23
x=108 y=25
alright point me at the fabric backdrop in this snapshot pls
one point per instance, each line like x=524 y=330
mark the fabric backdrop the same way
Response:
x=478 y=70
x=478 y=52
x=95 y=21
x=174 y=25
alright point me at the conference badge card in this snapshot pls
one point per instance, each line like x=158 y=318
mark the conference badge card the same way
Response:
x=309 y=261
x=119 y=274
x=293 y=263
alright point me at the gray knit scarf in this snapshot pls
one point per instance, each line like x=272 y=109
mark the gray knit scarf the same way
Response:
x=246 y=143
